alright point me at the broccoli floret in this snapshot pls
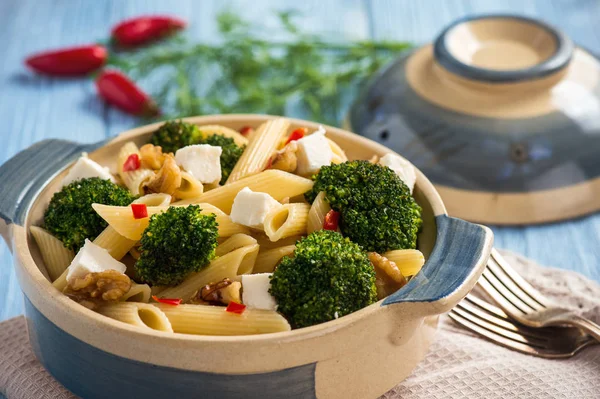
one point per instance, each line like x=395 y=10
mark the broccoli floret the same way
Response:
x=328 y=277
x=174 y=135
x=176 y=243
x=376 y=208
x=70 y=216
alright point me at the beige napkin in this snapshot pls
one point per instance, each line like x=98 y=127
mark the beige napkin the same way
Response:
x=459 y=364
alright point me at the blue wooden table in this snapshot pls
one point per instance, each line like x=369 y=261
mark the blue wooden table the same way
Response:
x=34 y=108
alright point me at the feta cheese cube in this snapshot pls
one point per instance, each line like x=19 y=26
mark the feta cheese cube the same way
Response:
x=401 y=167
x=92 y=259
x=250 y=208
x=202 y=161
x=255 y=291
x=313 y=152
x=85 y=168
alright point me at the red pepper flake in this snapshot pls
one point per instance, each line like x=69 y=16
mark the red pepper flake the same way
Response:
x=235 y=307
x=168 y=301
x=140 y=211
x=297 y=134
x=331 y=221
x=246 y=130
x=132 y=163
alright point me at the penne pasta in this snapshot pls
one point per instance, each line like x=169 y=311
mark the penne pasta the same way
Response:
x=61 y=282
x=56 y=257
x=210 y=130
x=122 y=220
x=266 y=244
x=286 y=221
x=190 y=187
x=239 y=261
x=259 y=150
x=339 y=155
x=409 y=261
x=158 y=199
x=234 y=242
x=266 y=261
x=316 y=215
x=137 y=293
x=116 y=244
x=276 y=183
x=215 y=320
x=137 y=314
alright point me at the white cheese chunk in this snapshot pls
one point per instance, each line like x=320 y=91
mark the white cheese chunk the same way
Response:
x=313 y=152
x=92 y=259
x=202 y=161
x=250 y=208
x=85 y=168
x=255 y=291
x=401 y=167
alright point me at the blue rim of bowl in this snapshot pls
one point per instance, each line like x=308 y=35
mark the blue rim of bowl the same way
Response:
x=557 y=61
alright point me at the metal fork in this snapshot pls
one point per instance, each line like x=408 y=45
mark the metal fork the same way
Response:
x=493 y=324
x=524 y=303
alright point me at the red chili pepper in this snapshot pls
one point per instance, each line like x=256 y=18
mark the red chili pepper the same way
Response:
x=118 y=90
x=140 y=211
x=234 y=307
x=73 y=61
x=297 y=134
x=132 y=162
x=246 y=130
x=168 y=301
x=331 y=221
x=142 y=30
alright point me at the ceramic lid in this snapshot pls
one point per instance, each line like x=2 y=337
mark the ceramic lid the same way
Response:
x=502 y=113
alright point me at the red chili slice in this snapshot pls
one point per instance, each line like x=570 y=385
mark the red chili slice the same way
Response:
x=132 y=163
x=140 y=211
x=297 y=134
x=235 y=307
x=168 y=301
x=331 y=221
x=246 y=130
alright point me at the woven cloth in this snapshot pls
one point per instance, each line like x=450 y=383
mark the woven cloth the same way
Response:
x=459 y=364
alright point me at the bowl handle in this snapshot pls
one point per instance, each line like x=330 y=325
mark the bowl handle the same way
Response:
x=458 y=258
x=24 y=175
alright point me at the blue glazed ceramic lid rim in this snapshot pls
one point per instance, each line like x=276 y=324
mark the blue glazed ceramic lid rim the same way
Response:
x=557 y=61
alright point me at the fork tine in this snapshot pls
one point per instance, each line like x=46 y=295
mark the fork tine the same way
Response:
x=509 y=333
x=507 y=281
x=518 y=280
x=473 y=306
x=493 y=336
x=508 y=301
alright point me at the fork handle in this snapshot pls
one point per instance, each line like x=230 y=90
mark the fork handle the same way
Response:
x=586 y=325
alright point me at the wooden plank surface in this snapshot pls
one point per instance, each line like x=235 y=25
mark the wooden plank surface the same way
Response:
x=33 y=108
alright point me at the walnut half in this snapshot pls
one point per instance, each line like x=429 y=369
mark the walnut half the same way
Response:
x=152 y=156
x=168 y=178
x=388 y=278
x=286 y=159
x=93 y=288
x=221 y=292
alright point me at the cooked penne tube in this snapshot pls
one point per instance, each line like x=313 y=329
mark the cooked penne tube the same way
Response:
x=239 y=261
x=215 y=320
x=122 y=220
x=339 y=155
x=210 y=130
x=266 y=244
x=190 y=187
x=259 y=150
x=316 y=215
x=138 y=314
x=276 y=183
x=286 y=221
x=56 y=257
x=266 y=261
x=137 y=293
x=157 y=199
x=409 y=261
x=116 y=244
x=61 y=282
x=134 y=180
x=234 y=242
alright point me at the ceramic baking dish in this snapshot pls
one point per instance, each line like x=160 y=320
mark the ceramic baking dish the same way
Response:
x=361 y=355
